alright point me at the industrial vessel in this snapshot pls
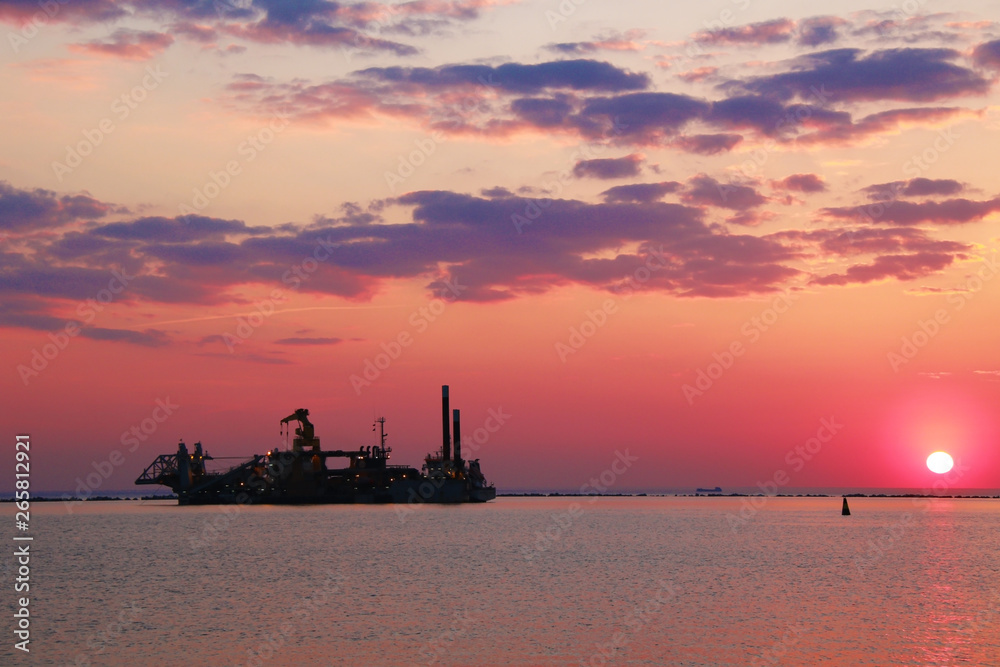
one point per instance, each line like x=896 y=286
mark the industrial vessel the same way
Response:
x=303 y=474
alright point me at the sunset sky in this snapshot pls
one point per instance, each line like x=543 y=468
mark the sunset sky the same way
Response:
x=704 y=233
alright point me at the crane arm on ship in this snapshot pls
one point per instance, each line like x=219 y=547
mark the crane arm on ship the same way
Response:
x=305 y=426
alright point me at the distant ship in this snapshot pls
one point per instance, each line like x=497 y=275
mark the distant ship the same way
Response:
x=302 y=474
x=717 y=489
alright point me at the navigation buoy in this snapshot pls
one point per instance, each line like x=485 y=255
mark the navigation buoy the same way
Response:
x=847 y=510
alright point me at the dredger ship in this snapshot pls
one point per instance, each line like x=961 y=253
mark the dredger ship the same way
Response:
x=303 y=473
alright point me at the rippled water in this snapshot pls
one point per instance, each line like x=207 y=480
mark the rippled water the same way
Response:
x=540 y=581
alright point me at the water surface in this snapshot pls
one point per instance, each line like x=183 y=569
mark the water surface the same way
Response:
x=519 y=581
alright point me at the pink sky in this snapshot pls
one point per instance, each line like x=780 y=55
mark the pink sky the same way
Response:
x=701 y=235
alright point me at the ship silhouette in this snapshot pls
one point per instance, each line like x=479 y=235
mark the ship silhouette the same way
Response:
x=303 y=473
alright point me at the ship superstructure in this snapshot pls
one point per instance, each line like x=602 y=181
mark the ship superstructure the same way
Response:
x=306 y=473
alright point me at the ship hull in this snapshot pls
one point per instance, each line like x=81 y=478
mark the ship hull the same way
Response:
x=403 y=491
x=288 y=478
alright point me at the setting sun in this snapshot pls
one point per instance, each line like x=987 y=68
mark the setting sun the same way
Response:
x=940 y=462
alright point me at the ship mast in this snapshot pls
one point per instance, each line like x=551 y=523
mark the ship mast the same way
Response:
x=382 y=435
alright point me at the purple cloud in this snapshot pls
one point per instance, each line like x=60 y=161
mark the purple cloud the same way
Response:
x=23 y=209
x=706 y=191
x=801 y=183
x=916 y=187
x=308 y=341
x=708 y=144
x=608 y=168
x=766 y=32
x=899 y=267
x=640 y=192
x=908 y=74
x=592 y=75
x=819 y=30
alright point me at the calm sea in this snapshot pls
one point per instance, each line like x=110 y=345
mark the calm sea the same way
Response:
x=519 y=581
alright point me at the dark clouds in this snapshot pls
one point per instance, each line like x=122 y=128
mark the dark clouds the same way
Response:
x=988 y=54
x=873 y=241
x=608 y=168
x=514 y=77
x=21 y=209
x=801 y=183
x=361 y=27
x=807 y=32
x=83 y=11
x=641 y=118
x=845 y=131
x=148 y=338
x=482 y=248
x=627 y=41
x=906 y=74
x=708 y=144
x=501 y=245
x=916 y=187
x=128 y=45
x=640 y=192
x=820 y=30
x=707 y=191
x=542 y=112
x=308 y=341
x=900 y=267
x=900 y=212
x=181 y=229
x=766 y=32
x=811 y=100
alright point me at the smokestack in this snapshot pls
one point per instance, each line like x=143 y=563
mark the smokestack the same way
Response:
x=446 y=446
x=458 y=441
